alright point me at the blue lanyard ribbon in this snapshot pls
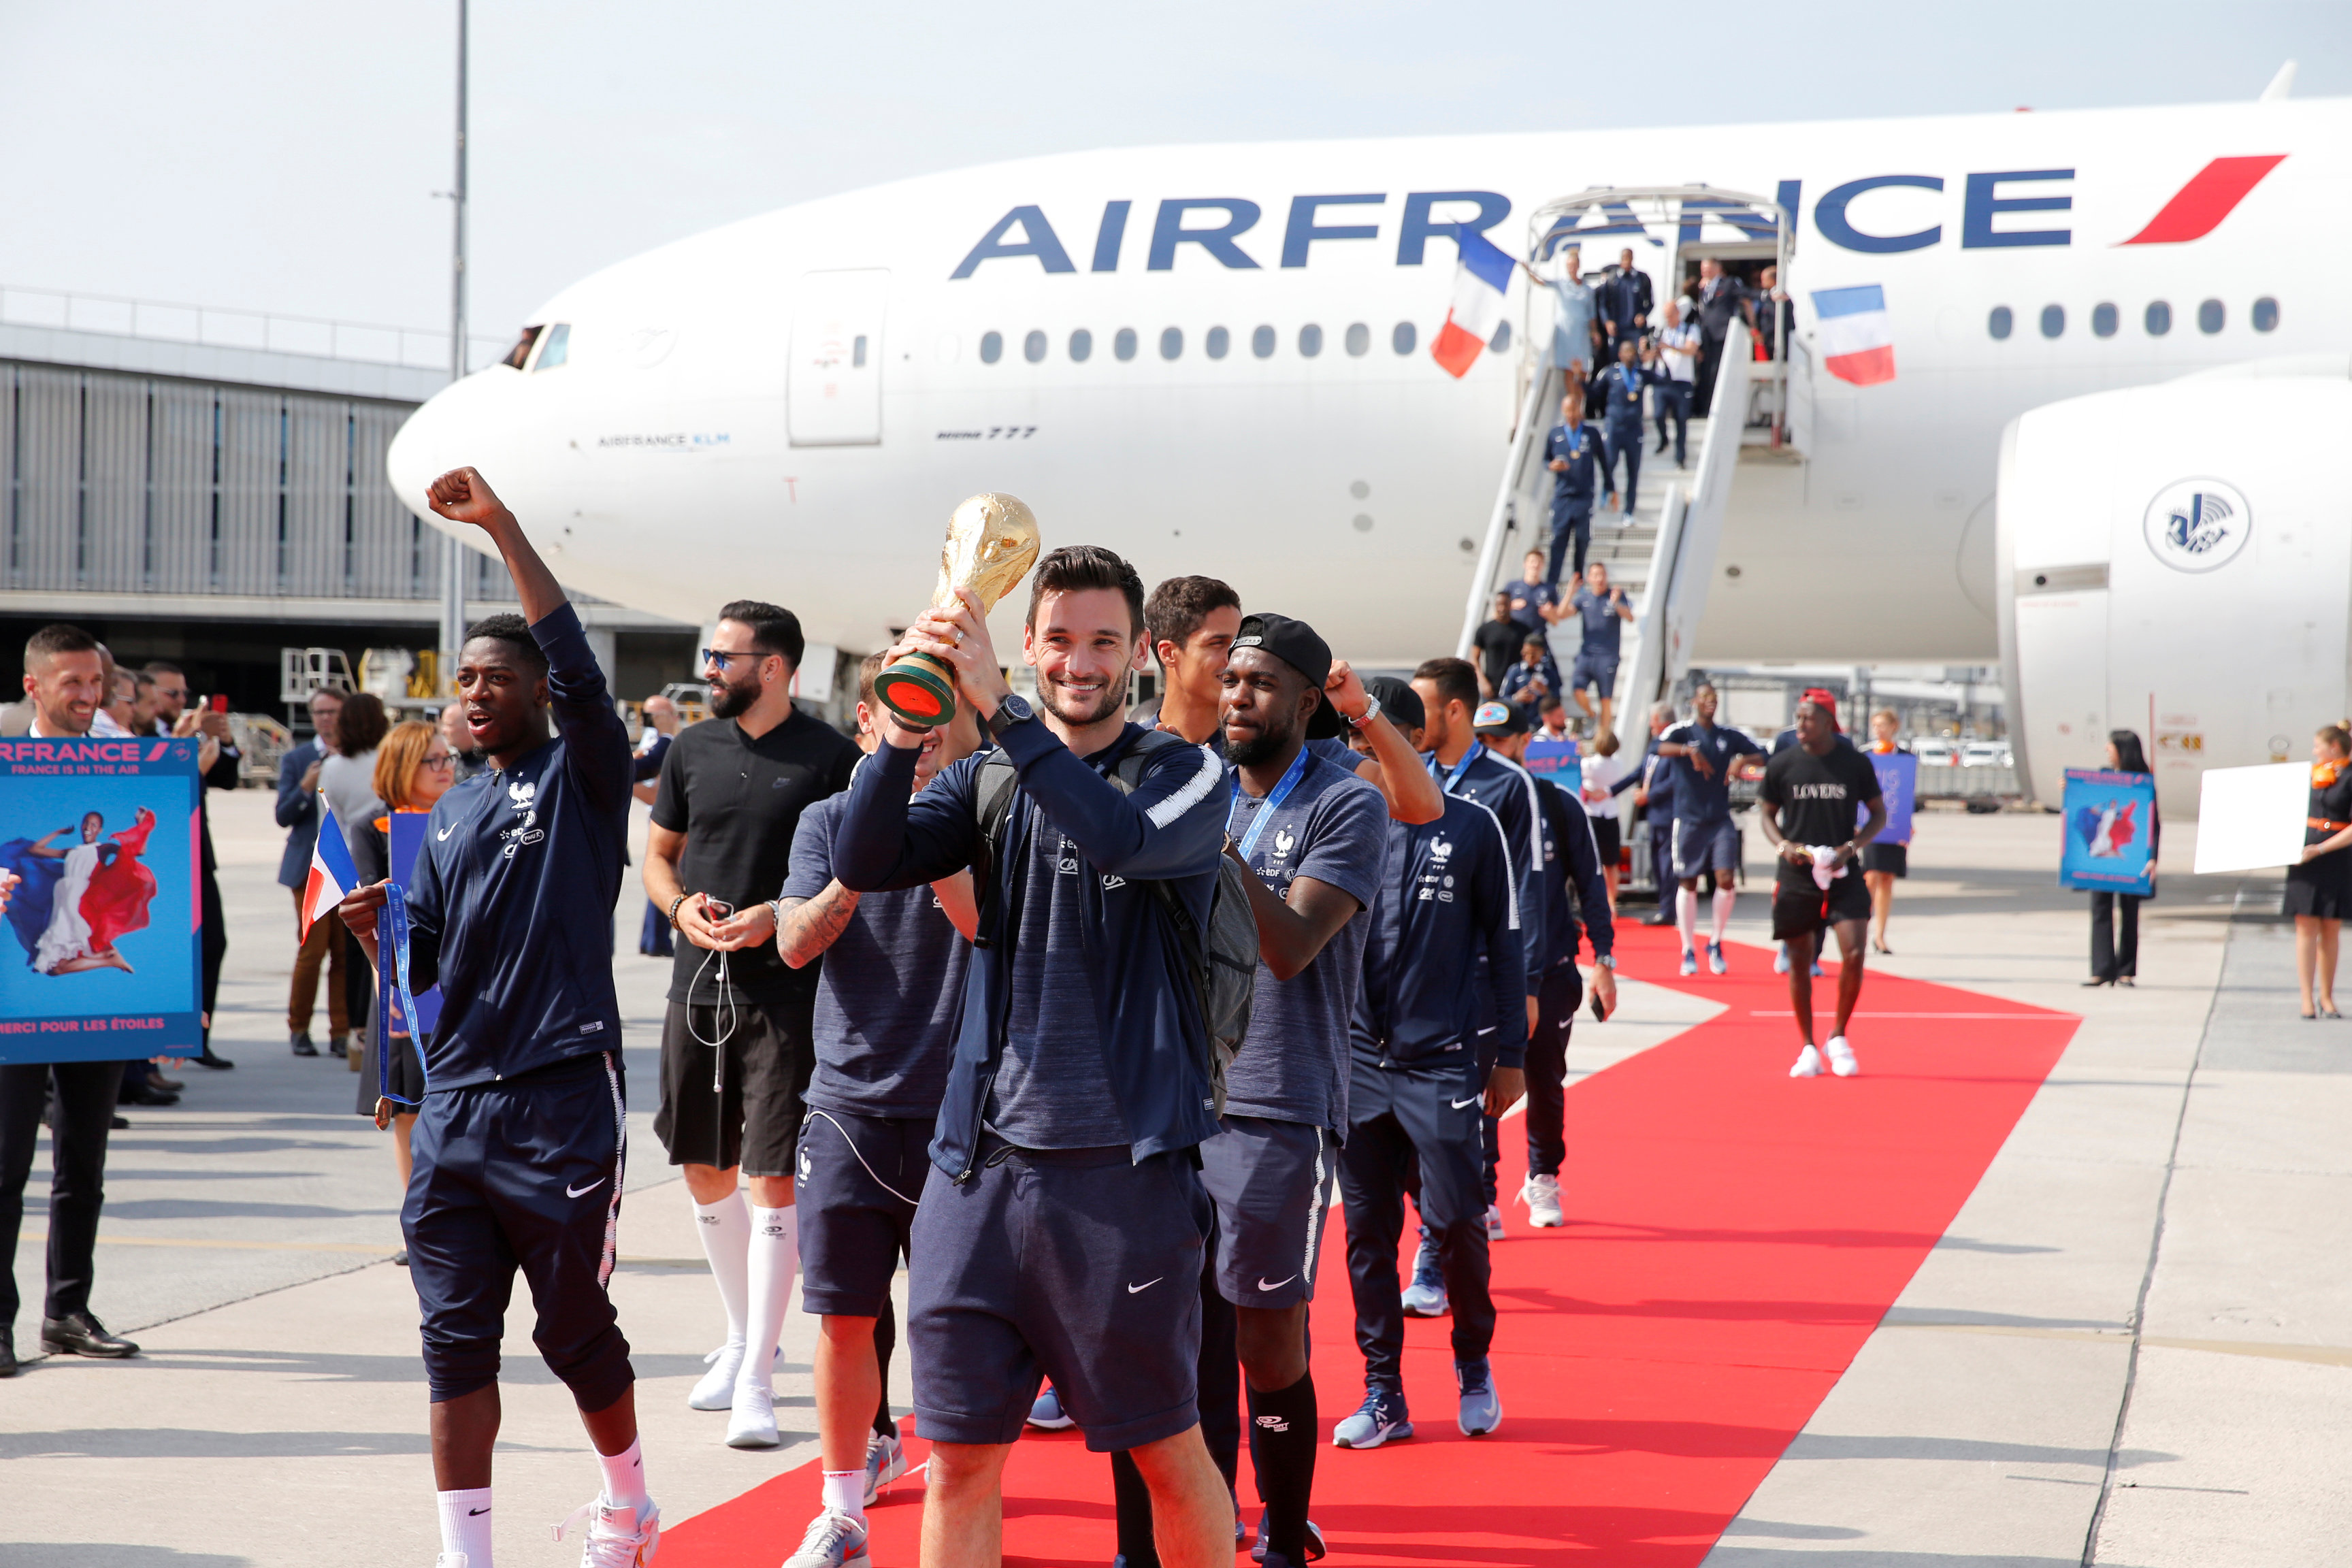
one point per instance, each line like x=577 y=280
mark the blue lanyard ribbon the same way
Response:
x=1446 y=781
x=395 y=909
x=1290 y=778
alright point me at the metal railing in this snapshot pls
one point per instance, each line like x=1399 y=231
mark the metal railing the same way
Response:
x=211 y=326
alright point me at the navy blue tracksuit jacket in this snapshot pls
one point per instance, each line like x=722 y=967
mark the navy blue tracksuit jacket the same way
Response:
x=1450 y=892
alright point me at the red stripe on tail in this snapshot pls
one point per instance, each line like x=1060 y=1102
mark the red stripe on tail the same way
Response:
x=2201 y=206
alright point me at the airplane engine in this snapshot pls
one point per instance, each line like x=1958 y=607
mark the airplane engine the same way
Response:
x=2177 y=560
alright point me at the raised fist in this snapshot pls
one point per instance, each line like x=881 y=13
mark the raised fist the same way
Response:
x=462 y=495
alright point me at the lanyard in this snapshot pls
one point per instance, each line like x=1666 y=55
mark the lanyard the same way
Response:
x=1446 y=781
x=1296 y=771
x=395 y=909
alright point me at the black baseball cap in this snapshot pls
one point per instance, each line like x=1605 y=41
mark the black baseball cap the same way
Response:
x=1297 y=645
x=1399 y=701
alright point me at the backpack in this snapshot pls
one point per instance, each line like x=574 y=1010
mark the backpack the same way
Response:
x=1223 y=967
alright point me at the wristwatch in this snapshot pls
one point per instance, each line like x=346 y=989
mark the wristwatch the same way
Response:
x=1011 y=709
x=1372 y=711
x=1605 y=960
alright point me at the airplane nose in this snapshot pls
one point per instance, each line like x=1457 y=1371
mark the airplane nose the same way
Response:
x=467 y=423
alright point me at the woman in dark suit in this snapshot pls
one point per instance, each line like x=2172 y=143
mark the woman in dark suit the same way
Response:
x=2114 y=917
x=2319 y=889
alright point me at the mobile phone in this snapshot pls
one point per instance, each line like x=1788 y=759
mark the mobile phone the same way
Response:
x=217 y=703
x=718 y=910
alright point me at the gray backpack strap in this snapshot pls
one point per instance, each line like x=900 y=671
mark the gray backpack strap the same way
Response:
x=992 y=793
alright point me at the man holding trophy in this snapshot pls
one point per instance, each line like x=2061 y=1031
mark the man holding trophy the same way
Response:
x=1061 y=1228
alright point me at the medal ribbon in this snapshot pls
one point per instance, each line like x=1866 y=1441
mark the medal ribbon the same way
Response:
x=1290 y=778
x=395 y=909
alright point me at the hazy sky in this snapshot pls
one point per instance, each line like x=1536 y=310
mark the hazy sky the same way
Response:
x=281 y=156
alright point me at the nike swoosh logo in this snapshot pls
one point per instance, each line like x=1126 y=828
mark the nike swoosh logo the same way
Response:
x=1460 y=1103
x=445 y=833
x=476 y=1512
x=1147 y=1285
x=1277 y=1285
x=575 y=1192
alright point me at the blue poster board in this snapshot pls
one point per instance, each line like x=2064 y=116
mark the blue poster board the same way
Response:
x=2110 y=821
x=102 y=957
x=1898 y=785
x=406 y=833
x=1556 y=761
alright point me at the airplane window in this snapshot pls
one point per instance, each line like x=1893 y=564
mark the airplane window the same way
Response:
x=2208 y=318
x=1360 y=340
x=1999 y=322
x=1082 y=344
x=1033 y=348
x=1501 y=340
x=2266 y=314
x=2103 y=320
x=1262 y=343
x=1171 y=342
x=2054 y=321
x=858 y=351
x=1123 y=344
x=2159 y=319
x=519 y=355
x=1219 y=342
x=1402 y=340
x=991 y=347
x=1310 y=340
x=555 y=345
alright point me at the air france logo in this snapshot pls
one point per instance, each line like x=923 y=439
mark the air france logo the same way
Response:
x=2198 y=525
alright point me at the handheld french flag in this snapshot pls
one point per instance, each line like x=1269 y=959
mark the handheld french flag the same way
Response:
x=333 y=878
x=1857 y=338
x=1481 y=285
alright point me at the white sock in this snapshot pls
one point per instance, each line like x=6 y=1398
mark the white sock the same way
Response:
x=775 y=1248
x=1686 y=917
x=725 y=1228
x=624 y=1478
x=1723 y=897
x=466 y=1524
x=844 y=1493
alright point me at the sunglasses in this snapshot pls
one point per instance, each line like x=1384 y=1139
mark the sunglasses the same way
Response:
x=721 y=656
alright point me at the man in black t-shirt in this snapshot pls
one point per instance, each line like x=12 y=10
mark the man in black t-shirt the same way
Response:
x=1810 y=798
x=736 y=1044
x=1498 y=640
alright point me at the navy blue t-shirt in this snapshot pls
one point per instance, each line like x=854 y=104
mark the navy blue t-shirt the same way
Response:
x=892 y=986
x=1528 y=602
x=1602 y=628
x=1293 y=1063
x=1704 y=799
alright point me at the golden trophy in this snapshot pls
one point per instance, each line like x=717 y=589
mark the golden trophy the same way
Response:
x=991 y=543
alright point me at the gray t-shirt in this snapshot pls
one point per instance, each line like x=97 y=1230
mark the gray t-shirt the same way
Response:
x=1051 y=1089
x=1293 y=1065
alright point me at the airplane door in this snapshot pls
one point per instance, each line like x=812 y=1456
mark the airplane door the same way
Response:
x=833 y=393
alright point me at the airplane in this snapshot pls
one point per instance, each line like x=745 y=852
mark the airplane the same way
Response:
x=1217 y=358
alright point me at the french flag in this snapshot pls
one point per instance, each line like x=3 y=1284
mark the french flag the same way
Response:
x=1857 y=338
x=333 y=878
x=1481 y=285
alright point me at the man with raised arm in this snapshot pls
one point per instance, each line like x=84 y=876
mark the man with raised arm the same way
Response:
x=519 y=1144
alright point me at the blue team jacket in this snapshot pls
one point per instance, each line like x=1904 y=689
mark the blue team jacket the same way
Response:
x=1173 y=829
x=1449 y=893
x=511 y=907
x=1582 y=449
x=1571 y=861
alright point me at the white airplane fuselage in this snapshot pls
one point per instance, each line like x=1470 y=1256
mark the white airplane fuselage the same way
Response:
x=789 y=408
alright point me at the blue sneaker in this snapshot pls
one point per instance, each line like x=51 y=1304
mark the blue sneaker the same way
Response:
x=1715 y=961
x=1482 y=1409
x=1690 y=961
x=1047 y=1413
x=1425 y=1297
x=1817 y=969
x=1315 y=1547
x=1382 y=1417
x=1781 y=960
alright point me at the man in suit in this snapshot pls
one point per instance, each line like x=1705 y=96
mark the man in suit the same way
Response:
x=1626 y=301
x=323 y=948
x=218 y=758
x=1720 y=298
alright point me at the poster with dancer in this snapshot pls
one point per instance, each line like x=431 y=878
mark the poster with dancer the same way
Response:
x=98 y=849
x=2110 y=832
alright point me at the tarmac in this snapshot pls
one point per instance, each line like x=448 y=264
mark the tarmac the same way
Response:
x=2134 y=1346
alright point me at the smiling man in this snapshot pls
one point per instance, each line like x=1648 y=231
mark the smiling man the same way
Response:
x=1062 y=1223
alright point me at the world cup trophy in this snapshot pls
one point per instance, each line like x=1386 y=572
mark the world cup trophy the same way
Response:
x=991 y=543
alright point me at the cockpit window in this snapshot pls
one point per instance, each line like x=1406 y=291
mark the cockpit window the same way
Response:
x=554 y=347
x=519 y=355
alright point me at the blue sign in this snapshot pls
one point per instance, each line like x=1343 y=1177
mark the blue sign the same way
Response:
x=2110 y=832
x=1898 y=785
x=105 y=916
x=1556 y=761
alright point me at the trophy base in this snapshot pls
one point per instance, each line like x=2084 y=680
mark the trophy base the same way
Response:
x=918 y=689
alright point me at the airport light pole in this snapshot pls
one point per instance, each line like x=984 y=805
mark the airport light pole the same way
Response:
x=455 y=558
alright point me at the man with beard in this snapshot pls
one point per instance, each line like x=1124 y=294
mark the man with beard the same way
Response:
x=1061 y=1225
x=736 y=1046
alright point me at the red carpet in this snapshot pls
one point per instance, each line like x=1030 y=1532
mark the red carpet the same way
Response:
x=1734 y=1236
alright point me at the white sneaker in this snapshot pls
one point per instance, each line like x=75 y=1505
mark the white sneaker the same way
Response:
x=1841 y=1057
x=451 y=1560
x=1809 y=1064
x=1541 y=1194
x=617 y=1537
x=752 y=1418
x=886 y=1461
x=1781 y=960
x=1495 y=1231
x=833 y=1540
x=717 y=1389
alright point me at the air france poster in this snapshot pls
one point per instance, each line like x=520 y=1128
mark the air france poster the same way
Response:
x=99 y=845
x=2110 y=823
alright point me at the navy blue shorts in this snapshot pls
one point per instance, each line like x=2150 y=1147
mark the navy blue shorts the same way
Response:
x=1703 y=846
x=525 y=1173
x=1271 y=1182
x=856 y=1187
x=1074 y=1264
x=1597 y=671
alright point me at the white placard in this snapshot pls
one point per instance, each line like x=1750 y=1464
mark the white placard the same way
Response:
x=2248 y=818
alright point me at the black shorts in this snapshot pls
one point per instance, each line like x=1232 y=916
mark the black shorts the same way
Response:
x=1891 y=859
x=1271 y=1182
x=1605 y=838
x=745 y=1111
x=856 y=1186
x=1080 y=1265
x=1800 y=908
